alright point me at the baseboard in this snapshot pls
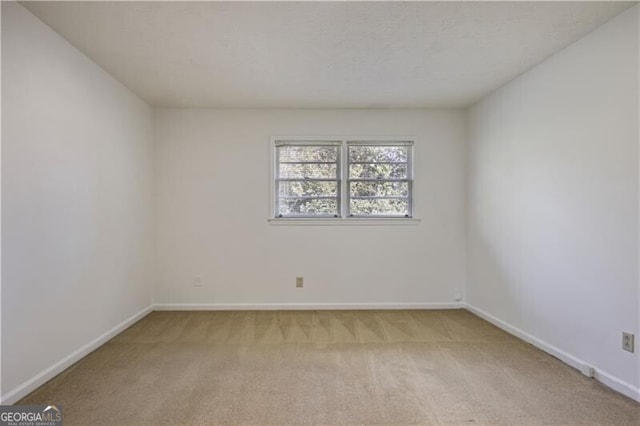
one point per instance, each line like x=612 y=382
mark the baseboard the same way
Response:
x=602 y=376
x=298 y=306
x=32 y=384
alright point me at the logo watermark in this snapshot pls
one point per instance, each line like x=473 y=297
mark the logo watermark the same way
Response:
x=30 y=415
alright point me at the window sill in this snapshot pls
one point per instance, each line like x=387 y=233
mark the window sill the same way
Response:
x=306 y=221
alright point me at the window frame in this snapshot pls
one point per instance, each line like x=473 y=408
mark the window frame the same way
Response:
x=276 y=178
x=408 y=179
x=343 y=185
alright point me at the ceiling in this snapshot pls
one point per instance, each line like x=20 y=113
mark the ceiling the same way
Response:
x=319 y=54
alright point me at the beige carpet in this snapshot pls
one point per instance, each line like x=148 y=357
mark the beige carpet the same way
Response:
x=326 y=367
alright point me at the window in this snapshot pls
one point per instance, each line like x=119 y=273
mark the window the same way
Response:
x=307 y=179
x=343 y=179
x=379 y=179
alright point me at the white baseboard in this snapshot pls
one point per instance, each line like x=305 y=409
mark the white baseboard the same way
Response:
x=298 y=306
x=603 y=377
x=35 y=382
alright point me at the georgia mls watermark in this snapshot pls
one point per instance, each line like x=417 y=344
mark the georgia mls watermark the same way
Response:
x=30 y=415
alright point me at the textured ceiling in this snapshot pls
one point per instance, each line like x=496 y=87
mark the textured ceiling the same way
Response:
x=320 y=54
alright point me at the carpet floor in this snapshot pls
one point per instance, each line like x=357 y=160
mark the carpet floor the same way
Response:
x=326 y=367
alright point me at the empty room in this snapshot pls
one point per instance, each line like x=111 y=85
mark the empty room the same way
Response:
x=336 y=213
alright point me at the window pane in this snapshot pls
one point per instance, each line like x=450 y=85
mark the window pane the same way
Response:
x=379 y=189
x=378 y=171
x=391 y=207
x=311 y=171
x=307 y=153
x=307 y=206
x=376 y=154
x=308 y=188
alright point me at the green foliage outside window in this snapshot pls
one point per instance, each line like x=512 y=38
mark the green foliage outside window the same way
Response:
x=308 y=180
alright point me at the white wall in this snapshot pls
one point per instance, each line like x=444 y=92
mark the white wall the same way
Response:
x=76 y=200
x=553 y=202
x=212 y=205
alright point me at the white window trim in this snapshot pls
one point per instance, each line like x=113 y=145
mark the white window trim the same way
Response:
x=343 y=220
x=317 y=142
x=351 y=142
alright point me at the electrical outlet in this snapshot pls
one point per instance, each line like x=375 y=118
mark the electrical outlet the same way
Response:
x=299 y=282
x=197 y=281
x=628 y=341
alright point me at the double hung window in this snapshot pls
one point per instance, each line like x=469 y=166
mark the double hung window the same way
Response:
x=308 y=179
x=379 y=179
x=343 y=179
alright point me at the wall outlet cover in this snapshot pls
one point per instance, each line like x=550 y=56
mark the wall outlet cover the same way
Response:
x=628 y=342
x=197 y=281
